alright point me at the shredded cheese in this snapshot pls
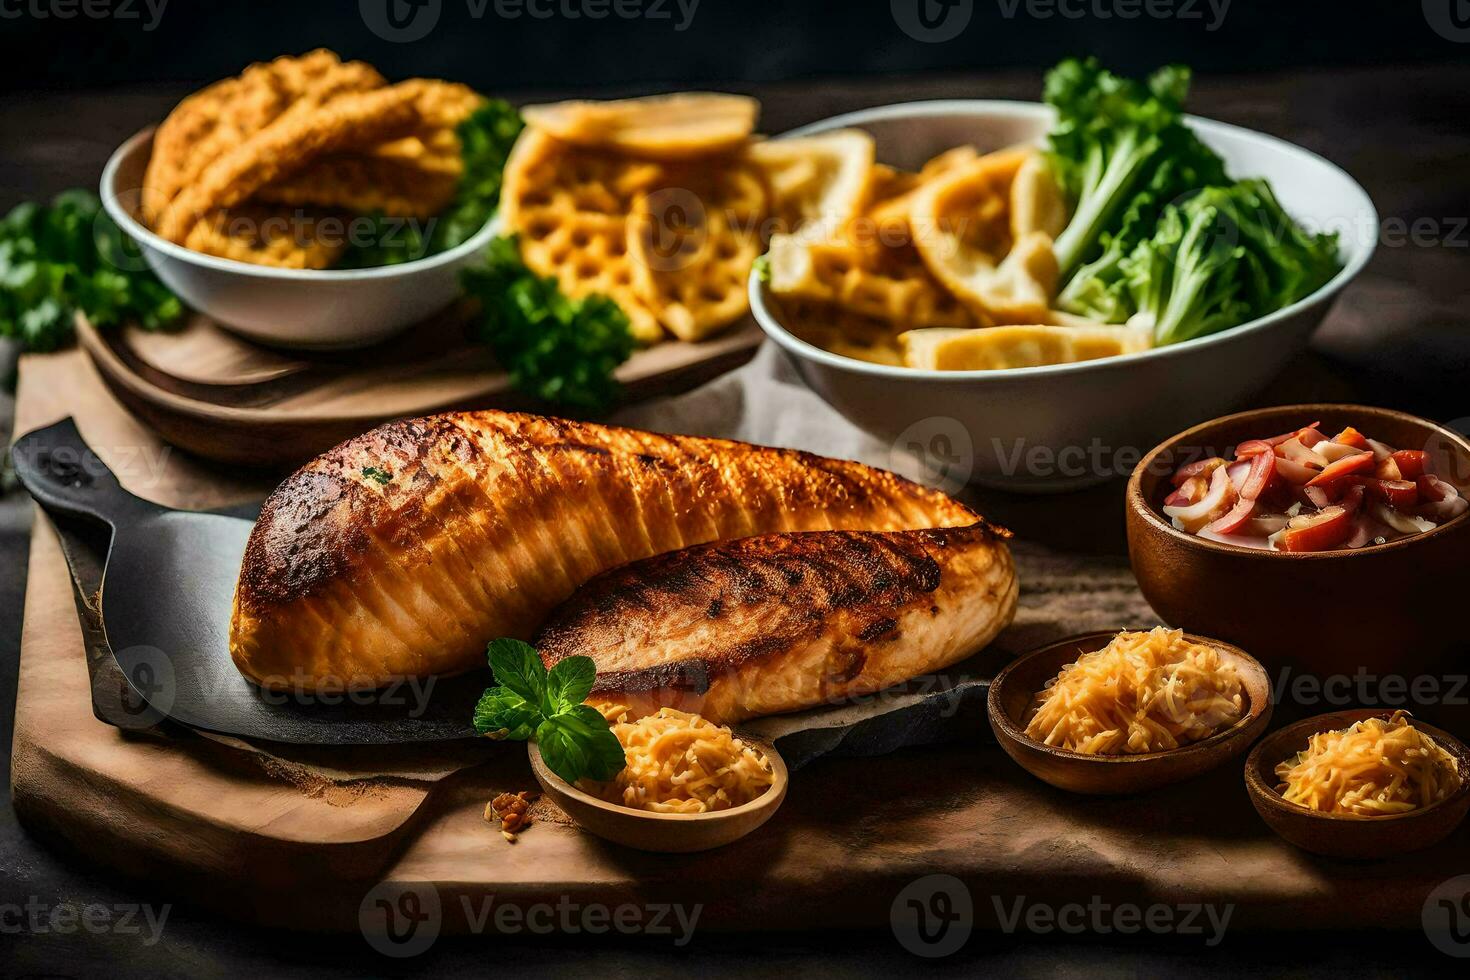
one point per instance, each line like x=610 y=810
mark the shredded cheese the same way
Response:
x=1143 y=692
x=678 y=762
x=1372 y=768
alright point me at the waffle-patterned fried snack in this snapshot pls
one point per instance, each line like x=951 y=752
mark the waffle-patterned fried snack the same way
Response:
x=664 y=127
x=693 y=240
x=664 y=204
x=572 y=207
x=890 y=285
x=817 y=182
x=962 y=229
x=840 y=331
x=886 y=213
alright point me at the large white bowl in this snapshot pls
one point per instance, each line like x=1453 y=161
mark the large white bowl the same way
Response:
x=1071 y=425
x=303 y=308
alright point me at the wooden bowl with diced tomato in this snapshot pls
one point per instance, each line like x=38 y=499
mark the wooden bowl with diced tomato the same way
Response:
x=1332 y=538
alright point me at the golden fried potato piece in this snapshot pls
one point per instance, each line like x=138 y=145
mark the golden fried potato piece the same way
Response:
x=692 y=242
x=220 y=117
x=1036 y=200
x=816 y=181
x=277 y=236
x=1032 y=345
x=302 y=133
x=571 y=208
x=961 y=228
x=841 y=331
x=891 y=286
x=659 y=127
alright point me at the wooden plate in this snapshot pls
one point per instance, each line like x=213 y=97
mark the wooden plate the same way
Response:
x=214 y=394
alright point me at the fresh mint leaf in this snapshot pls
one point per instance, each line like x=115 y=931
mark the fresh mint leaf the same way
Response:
x=574 y=738
x=517 y=666
x=570 y=681
x=504 y=714
x=602 y=754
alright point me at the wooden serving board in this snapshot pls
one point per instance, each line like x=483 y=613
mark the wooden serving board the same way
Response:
x=207 y=390
x=302 y=837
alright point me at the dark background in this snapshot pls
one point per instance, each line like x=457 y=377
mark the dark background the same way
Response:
x=71 y=88
x=727 y=41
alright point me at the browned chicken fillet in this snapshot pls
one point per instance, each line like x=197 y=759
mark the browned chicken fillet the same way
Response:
x=781 y=622
x=402 y=552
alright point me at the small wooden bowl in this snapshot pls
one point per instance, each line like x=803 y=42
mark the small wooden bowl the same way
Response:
x=672 y=833
x=1393 y=608
x=1014 y=691
x=1347 y=835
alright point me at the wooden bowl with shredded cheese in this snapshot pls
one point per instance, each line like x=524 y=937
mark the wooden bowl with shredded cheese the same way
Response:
x=1147 y=751
x=657 y=825
x=1358 y=835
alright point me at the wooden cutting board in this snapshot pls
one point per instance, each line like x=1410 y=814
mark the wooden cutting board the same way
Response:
x=308 y=838
x=207 y=390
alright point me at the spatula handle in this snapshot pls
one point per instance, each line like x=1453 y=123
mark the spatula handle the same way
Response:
x=68 y=478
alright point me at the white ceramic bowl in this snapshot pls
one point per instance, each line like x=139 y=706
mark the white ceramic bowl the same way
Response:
x=303 y=308
x=1066 y=426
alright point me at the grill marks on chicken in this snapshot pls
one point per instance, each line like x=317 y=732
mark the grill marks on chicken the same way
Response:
x=403 y=551
x=776 y=623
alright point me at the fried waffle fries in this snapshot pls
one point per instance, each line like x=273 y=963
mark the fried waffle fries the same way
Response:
x=655 y=203
x=947 y=268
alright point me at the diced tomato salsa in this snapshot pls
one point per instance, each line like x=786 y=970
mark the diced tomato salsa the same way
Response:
x=1302 y=491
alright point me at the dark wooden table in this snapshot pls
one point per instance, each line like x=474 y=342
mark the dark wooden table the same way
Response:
x=1398 y=338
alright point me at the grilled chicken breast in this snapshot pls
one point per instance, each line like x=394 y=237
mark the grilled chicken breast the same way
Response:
x=781 y=622
x=402 y=552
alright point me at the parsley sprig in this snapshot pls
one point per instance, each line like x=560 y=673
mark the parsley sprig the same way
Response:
x=562 y=350
x=532 y=702
x=67 y=256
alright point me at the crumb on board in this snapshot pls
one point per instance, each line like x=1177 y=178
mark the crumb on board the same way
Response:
x=512 y=812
